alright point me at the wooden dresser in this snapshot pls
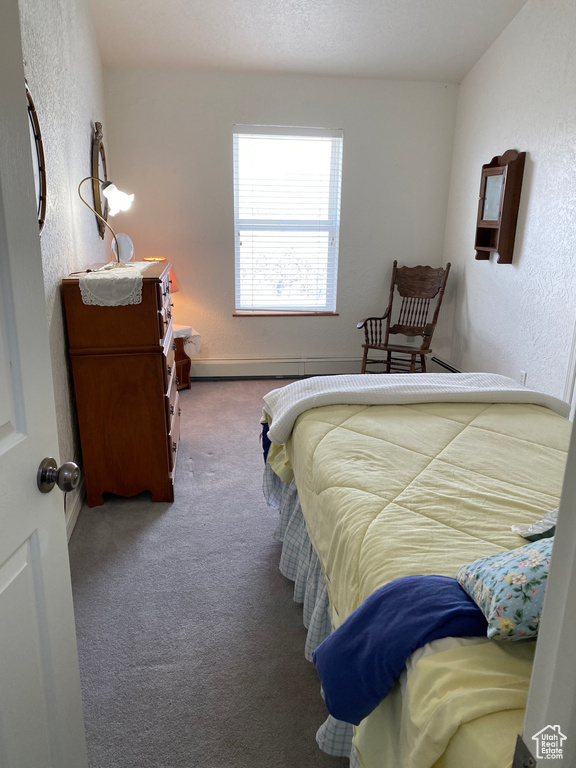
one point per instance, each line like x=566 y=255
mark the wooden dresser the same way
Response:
x=125 y=385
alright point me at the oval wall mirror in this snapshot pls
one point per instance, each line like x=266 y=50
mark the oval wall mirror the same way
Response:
x=99 y=174
x=37 y=160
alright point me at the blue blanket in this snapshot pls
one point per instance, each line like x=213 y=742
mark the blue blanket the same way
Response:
x=265 y=440
x=361 y=660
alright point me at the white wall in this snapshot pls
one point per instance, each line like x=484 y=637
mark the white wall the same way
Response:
x=522 y=95
x=507 y=318
x=63 y=70
x=170 y=142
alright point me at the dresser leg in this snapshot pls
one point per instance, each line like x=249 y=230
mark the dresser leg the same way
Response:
x=163 y=493
x=94 y=499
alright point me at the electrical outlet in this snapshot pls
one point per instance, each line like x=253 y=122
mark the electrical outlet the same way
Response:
x=523 y=376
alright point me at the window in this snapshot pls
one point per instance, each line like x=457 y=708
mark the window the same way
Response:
x=287 y=218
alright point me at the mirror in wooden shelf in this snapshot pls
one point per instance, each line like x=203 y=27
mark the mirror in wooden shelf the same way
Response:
x=498 y=203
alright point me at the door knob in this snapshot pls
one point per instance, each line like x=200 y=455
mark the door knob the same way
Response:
x=67 y=477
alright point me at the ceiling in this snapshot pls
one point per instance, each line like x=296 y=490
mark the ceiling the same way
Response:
x=431 y=40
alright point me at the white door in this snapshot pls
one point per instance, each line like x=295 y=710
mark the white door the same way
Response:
x=40 y=703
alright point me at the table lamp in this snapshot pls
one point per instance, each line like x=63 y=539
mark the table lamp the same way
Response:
x=117 y=201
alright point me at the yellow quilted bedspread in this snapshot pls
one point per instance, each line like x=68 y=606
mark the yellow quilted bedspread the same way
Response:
x=393 y=490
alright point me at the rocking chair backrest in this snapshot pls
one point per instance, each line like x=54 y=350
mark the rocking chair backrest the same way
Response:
x=416 y=287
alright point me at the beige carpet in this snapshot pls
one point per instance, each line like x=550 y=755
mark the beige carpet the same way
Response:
x=191 y=648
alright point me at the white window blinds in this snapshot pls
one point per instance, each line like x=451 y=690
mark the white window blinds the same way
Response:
x=287 y=217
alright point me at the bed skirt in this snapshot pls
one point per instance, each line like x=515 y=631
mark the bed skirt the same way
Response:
x=299 y=563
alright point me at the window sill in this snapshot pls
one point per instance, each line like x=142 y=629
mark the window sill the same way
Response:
x=280 y=313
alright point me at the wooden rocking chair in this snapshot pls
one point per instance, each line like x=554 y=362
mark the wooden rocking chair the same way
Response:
x=416 y=287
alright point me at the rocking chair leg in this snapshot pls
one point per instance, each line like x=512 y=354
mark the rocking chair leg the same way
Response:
x=412 y=363
x=423 y=361
x=388 y=362
x=364 y=361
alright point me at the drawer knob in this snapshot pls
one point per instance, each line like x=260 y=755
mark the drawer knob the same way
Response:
x=169 y=370
x=172 y=410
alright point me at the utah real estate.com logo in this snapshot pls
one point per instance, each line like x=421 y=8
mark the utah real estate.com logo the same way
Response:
x=549 y=743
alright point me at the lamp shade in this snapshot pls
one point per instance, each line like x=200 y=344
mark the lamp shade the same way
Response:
x=117 y=200
x=120 y=201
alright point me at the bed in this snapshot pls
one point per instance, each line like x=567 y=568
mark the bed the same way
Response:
x=381 y=481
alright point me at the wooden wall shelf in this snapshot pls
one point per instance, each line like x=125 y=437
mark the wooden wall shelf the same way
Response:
x=498 y=203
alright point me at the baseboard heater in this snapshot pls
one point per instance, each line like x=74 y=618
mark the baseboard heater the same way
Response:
x=279 y=368
x=445 y=366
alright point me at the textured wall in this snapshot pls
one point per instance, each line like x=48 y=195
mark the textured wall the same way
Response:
x=522 y=95
x=170 y=137
x=63 y=70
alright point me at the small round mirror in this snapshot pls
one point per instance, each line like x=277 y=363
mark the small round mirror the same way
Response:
x=126 y=247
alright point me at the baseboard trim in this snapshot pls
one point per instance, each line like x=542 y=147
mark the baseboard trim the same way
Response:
x=74 y=503
x=273 y=367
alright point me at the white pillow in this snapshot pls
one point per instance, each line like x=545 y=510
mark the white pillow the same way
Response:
x=543 y=529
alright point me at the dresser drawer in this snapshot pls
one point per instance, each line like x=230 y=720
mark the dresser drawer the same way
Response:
x=164 y=304
x=164 y=290
x=164 y=320
x=174 y=434
x=169 y=359
x=170 y=400
x=93 y=328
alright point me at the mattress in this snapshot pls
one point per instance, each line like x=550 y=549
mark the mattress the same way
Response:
x=389 y=490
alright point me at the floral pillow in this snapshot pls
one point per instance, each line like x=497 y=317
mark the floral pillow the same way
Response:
x=509 y=589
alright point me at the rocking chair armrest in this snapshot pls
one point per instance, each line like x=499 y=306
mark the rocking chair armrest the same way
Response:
x=362 y=323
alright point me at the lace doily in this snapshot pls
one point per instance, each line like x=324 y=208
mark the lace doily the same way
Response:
x=116 y=287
